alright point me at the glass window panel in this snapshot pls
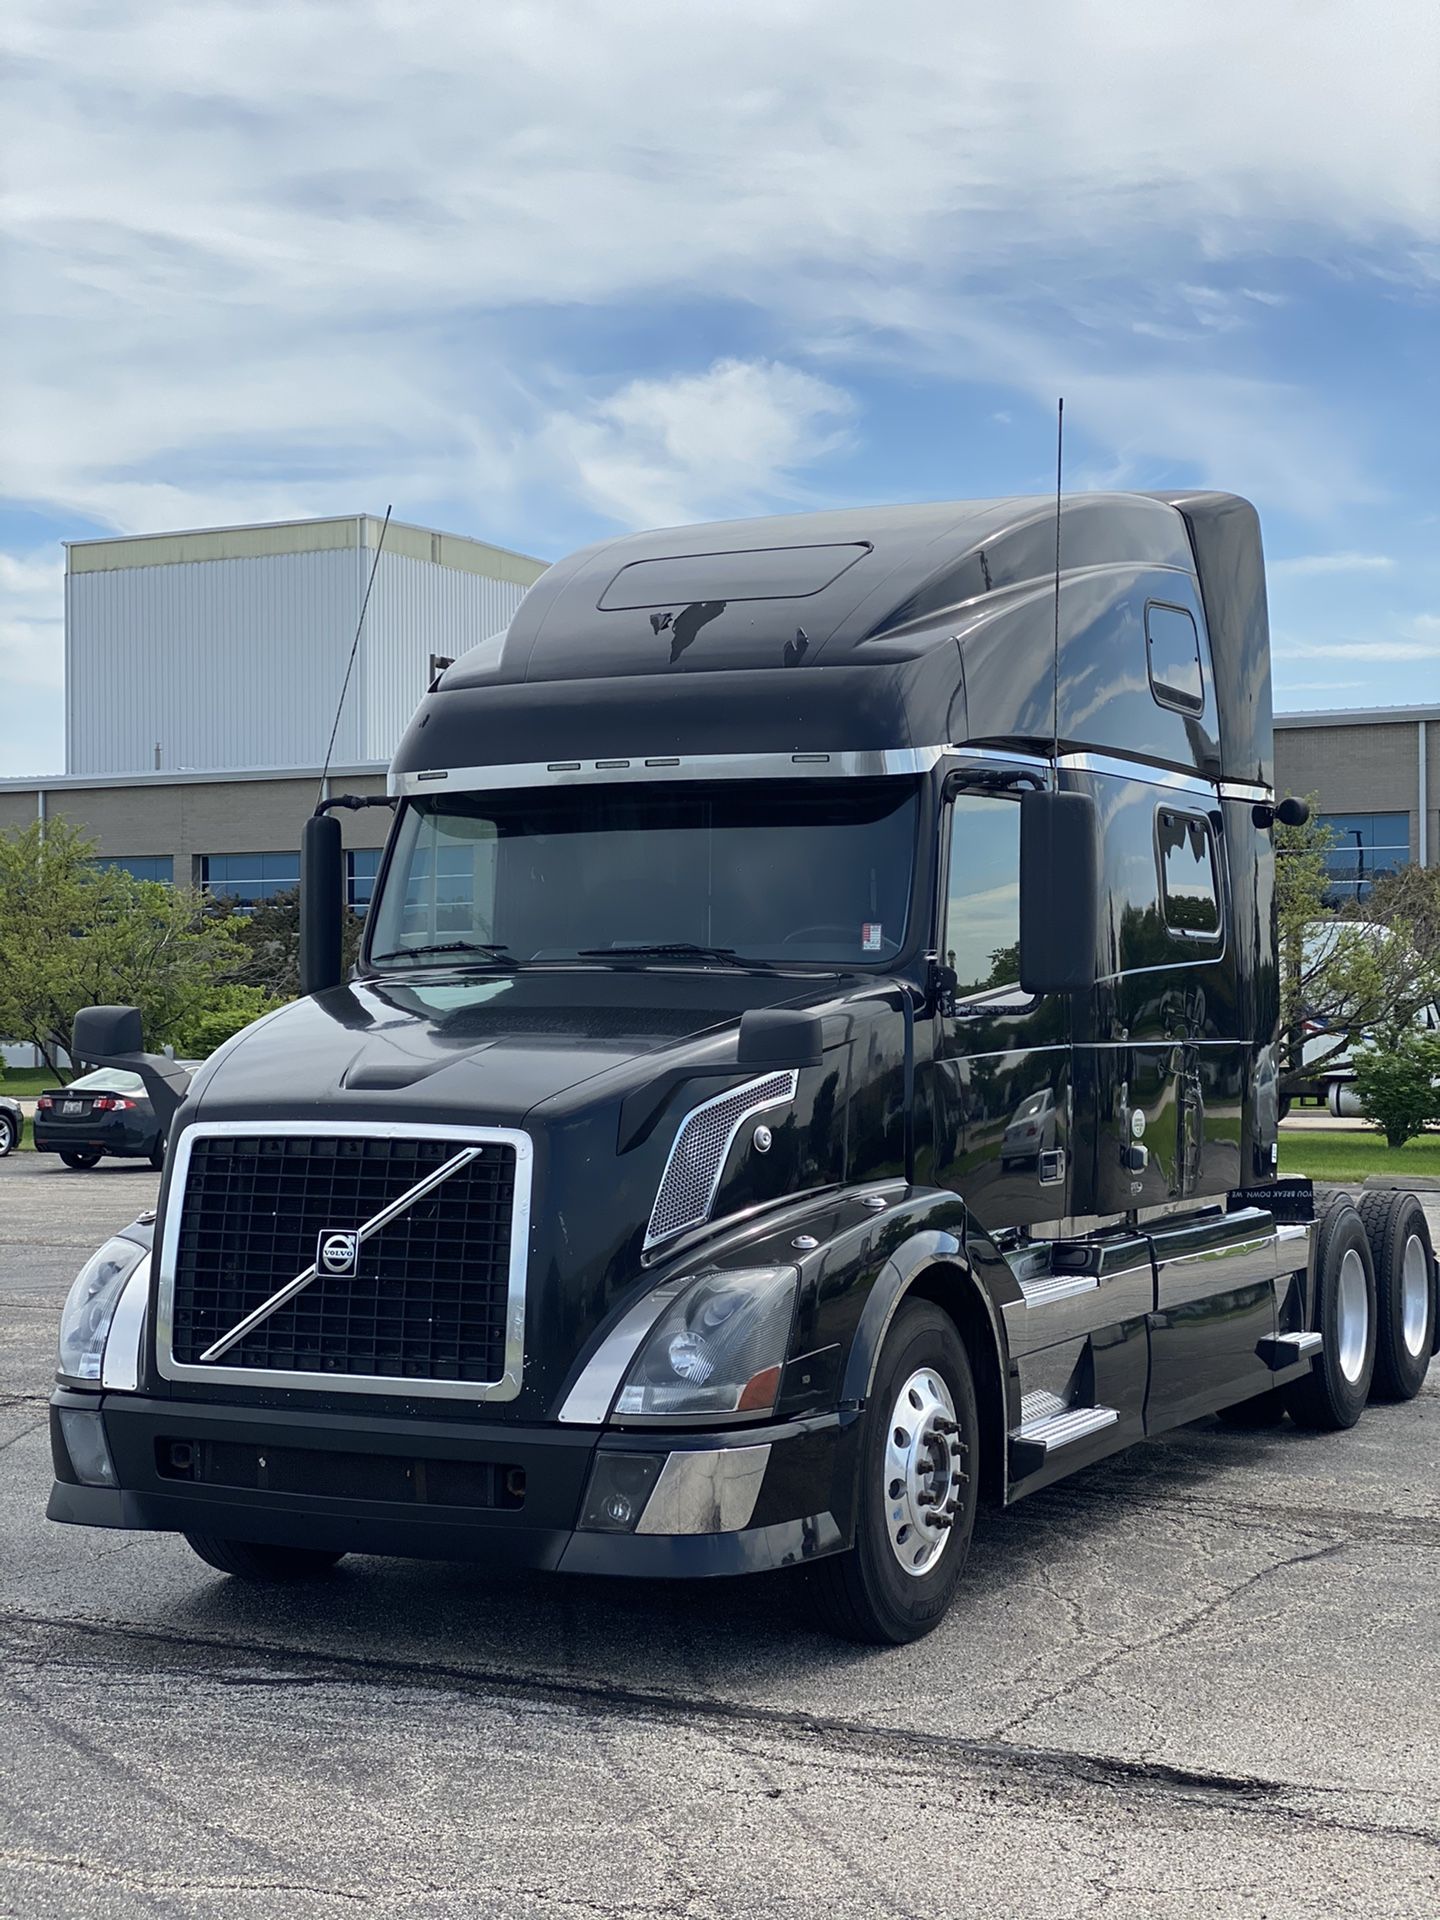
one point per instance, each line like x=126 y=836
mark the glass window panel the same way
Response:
x=144 y=866
x=1365 y=846
x=763 y=573
x=1187 y=874
x=1175 y=677
x=982 y=905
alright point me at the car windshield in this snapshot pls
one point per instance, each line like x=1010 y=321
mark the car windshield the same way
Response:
x=107 y=1080
x=794 y=872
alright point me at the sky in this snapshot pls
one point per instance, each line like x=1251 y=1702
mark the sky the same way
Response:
x=539 y=272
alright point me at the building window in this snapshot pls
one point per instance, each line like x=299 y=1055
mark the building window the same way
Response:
x=142 y=866
x=249 y=879
x=1174 y=651
x=361 y=866
x=1187 y=875
x=1364 y=845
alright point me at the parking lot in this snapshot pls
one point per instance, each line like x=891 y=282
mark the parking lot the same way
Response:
x=1199 y=1680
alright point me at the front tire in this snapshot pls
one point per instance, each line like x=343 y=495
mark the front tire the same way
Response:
x=1399 y=1237
x=9 y=1135
x=919 y=1480
x=79 y=1159
x=1332 y=1396
x=247 y=1560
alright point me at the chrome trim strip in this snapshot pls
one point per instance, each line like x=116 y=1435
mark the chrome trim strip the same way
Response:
x=390 y=1385
x=710 y=1492
x=1167 y=777
x=365 y=1231
x=653 y=1239
x=120 y=1363
x=802 y=764
x=589 y=1401
x=1246 y=790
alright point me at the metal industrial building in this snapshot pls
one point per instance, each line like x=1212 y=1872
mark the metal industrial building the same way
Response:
x=1375 y=773
x=202 y=672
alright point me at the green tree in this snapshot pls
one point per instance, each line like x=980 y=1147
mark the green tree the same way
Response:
x=269 y=939
x=74 y=935
x=1398 y=1085
x=1370 y=969
x=226 y=1012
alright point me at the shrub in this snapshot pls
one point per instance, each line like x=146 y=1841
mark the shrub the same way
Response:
x=1399 y=1087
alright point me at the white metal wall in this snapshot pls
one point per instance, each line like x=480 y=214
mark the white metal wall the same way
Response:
x=237 y=664
x=417 y=609
x=226 y=664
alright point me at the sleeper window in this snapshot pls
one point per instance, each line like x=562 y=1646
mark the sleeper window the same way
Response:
x=1173 y=646
x=1188 y=883
x=982 y=908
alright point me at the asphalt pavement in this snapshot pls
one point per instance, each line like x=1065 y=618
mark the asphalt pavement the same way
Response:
x=1199 y=1680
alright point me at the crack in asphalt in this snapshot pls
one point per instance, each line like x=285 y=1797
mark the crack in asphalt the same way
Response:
x=1254 y=1794
x=1383 y=1529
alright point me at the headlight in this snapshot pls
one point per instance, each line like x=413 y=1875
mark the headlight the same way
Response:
x=90 y=1307
x=718 y=1349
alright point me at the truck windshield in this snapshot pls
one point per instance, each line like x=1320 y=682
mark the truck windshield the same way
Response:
x=799 y=872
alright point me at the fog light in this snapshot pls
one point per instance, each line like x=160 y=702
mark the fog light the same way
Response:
x=85 y=1443
x=620 y=1485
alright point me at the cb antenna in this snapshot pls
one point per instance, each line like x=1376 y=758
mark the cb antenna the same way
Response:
x=1055 y=713
x=354 y=648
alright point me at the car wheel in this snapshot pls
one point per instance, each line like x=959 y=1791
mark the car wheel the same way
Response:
x=919 y=1478
x=78 y=1158
x=9 y=1134
x=247 y=1560
x=1399 y=1239
x=1333 y=1394
x=157 y=1155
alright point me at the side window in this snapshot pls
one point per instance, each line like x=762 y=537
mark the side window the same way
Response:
x=1189 y=889
x=981 y=935
x=1173 y=648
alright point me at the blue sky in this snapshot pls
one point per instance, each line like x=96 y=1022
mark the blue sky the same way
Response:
x=538 y=271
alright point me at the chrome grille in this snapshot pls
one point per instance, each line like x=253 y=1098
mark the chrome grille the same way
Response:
x=432 y=1303
x=698 y=1156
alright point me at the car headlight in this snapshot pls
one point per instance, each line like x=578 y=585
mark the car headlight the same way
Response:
x=718 y=1349
x=90 y=1307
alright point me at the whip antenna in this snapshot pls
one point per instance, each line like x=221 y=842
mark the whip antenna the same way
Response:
x=1059 y=469
x=354 y=648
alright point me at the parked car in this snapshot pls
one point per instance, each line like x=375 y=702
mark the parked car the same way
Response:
x=107 y=1111
x=12 y=1125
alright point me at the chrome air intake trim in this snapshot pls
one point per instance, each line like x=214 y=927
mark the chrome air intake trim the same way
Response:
x=702 y=1146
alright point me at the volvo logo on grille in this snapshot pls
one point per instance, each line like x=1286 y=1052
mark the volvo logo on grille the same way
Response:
x=337 y=1252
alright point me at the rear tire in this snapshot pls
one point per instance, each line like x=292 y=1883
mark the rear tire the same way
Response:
x=1399 y=1237
x=1332 y=1396
x=9 y=1135
x=78 y=1158
x=248 y=1561
x=895 y=1584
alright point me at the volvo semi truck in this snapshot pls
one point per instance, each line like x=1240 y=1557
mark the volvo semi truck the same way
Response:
x=811 y=1071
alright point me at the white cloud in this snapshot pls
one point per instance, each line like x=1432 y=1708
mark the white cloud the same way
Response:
x=659 y=452
x=1320 y=563
x=32 y=620
x=1413 y=640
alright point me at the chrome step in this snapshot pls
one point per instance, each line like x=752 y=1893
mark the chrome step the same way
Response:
x=1283 y=1350
x=1057 y=1286
x=1050 y=1430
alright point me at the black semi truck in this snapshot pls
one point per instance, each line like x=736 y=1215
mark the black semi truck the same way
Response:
x=811 y=1069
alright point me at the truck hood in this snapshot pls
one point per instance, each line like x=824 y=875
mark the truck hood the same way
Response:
x=484 y=1050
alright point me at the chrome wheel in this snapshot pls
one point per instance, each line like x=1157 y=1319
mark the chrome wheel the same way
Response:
x=1414 y=1296
x=924 y=1471
x=1352 y=1315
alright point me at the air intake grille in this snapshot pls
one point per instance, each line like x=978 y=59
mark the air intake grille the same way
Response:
x=701 y=1147
x=428 y=1299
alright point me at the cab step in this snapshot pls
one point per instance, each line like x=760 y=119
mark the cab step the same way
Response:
x=1047 y=1425
x=1288 y=1349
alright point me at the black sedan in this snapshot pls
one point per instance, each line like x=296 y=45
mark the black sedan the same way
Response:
x=107 y=1111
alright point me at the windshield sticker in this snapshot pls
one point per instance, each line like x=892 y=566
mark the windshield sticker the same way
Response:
x=872 y=936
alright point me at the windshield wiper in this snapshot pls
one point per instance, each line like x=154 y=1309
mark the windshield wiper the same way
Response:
x=496 y=950
x=669 y=950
